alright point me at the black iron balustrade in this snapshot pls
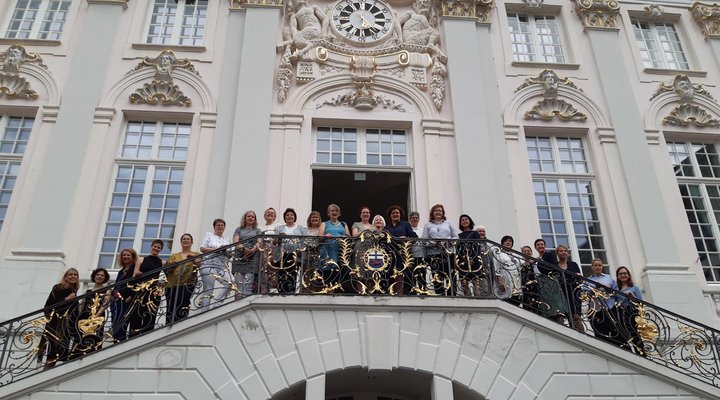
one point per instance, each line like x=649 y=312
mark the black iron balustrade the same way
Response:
x=373 y=264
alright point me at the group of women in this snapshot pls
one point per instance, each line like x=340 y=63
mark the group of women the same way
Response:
x=250 y=262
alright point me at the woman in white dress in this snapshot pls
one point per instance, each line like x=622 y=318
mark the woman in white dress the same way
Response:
x=214 y=268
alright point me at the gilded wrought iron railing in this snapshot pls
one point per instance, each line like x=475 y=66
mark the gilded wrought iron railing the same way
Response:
x=373 y=264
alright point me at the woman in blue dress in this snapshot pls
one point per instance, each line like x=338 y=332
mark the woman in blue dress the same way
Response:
x=329 y=253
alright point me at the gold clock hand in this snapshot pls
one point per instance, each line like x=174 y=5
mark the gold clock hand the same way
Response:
x=365 y=23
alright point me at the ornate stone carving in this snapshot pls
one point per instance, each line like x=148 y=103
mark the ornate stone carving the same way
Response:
x=533 y=3
x=362 y=69
x=437 y=86
x=690 y=114
x=363 y=99
x=480 y=9
x=708 y=17
x=684 y=88
x=162 y=90
x=548 y=109
x=12 y=85
x=413 y=55
x=164 y=64
x=550 y=81
x=654 y=11
x=598 y=14
x=242 y=4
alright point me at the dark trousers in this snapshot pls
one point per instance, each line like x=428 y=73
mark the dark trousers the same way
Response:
x=178 y=302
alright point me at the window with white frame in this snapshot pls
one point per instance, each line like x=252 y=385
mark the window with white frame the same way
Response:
x=380 y=147
x=145 y=196
x=535 y=38
x=660 y=45
x=179 y=22
x=565 y=197
x=38 y=19
x=15 y=136
x=697 y=168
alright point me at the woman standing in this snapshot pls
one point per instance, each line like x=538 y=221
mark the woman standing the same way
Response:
x=56 y=330
x=627 y=311
x=469 y=266
x=122 y=295
x=439 y=256
x=601 y=304
x=214 y=266
x=571 y=282
x=314 y=220
x=364 y=223
x=267 y=279
x=246 y=261
x=145 y=308
x=333 y=228
x=92 y=312
x=289 y=260
x=181 y=280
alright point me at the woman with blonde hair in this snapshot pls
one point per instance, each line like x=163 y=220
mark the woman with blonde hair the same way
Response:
x=56 y=333
x=122 y=295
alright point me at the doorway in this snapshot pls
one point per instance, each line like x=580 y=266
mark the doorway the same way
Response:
x=354 y=189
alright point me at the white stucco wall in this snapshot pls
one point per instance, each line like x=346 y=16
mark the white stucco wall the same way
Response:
x=256 y=348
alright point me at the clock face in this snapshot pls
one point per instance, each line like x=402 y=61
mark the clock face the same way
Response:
x=362 y=21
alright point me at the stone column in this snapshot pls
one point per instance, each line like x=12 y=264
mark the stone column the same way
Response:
x=245 y=186
x=484 y=167
x=666 y=281
x=38 y=258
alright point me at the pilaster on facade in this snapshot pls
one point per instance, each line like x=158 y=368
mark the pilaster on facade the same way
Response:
x=598 y=14
x=708 y=17
x=479 y=10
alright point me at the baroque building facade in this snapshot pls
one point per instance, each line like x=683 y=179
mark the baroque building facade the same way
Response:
x=588 y=123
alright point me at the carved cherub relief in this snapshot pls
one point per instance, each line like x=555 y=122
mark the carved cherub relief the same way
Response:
x=162 y=90
x=419 y=27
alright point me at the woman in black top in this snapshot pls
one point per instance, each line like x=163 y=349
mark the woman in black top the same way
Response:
x=145 y=307
x=122 y=295
x=56 y=330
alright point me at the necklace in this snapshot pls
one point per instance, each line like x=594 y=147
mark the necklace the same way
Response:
x=336 y=223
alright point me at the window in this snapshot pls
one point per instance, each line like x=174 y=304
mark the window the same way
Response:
x=15 y=136
x=381 y=147
x=145 y=197
x=565 y=198
x=38 y=19
x=179 y=22
x=697 y=168
x=659 y=45
x=535 y=38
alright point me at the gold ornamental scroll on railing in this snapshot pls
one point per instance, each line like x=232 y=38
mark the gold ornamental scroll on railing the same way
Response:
x=373 y=264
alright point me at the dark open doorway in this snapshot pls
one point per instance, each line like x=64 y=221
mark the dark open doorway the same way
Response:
x=354 y=189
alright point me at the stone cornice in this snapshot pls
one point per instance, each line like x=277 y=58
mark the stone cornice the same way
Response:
x=243 y=4
x=708 y=17
x=471 y=9
x=598 y=14
x=123 y=3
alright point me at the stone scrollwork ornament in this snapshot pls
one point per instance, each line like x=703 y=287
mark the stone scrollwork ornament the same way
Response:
x=316 y=44
x=548 y=109
x=12 y=84
x=480 y=9
x=362 y=99
x=162 y=90
x=690 y=114
x=598 y=14
x=683 y=87
x=708 y=17
x=550 y=80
